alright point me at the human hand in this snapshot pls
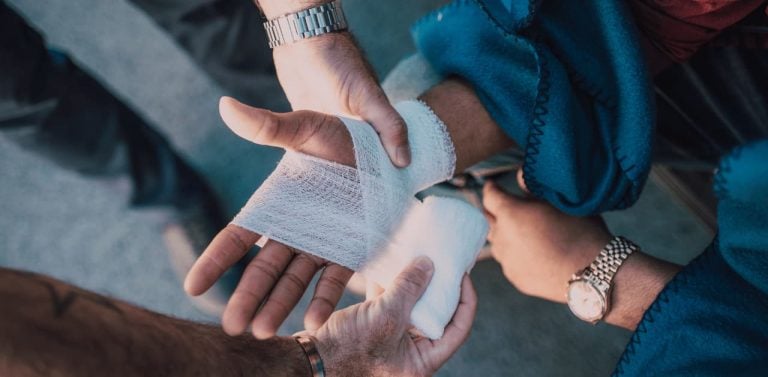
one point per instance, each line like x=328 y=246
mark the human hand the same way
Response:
x=275 y=280
x=539 y=247
x=374 y=338
x=329 y=74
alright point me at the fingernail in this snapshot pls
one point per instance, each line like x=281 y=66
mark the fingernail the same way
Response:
x=424 y=264
x=403 y=156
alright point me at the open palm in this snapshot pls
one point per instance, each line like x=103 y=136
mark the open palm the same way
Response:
x=275 y=280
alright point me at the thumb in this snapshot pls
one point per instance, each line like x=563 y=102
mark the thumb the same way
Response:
x=495 y=200
x=287 y=131
x=376 y=109
x=309 y=132
x=410 y=285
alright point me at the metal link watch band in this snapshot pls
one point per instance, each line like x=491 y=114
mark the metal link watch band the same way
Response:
x=313 y=356
x=611 y=257
x=308 y=23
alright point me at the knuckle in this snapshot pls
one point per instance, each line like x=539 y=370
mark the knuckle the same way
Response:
x=306 y=259
x=297 y=282
x=389 y=323
x=261 y=266
x=215 y=262
x=234 y=239
x=412 y=283
x=269 y=128
x=397 y=131
x=279 y=308
x=333 y=282
x=321 y=300
x=240 y=295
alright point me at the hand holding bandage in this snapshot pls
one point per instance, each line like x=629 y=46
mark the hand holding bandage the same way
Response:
x=367 y=218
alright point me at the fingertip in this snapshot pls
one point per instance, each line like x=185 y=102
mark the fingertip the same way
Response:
x=424 y=264
x=188 y=287
x=230 y=110
x=233 y=321
x=228 y=107
x=521 y=181
x=314 y=321
x=192 y=284
x=403 y=156
x=232 y=329
x=260 y=332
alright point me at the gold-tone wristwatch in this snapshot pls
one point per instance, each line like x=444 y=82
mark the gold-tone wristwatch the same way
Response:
x=589 y=290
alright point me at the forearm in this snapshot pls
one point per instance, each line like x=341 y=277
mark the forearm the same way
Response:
x=475 y=135
x=49 y=328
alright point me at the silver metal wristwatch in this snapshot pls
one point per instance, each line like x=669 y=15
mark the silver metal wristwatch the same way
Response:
x=589 y=289
x=307 y=23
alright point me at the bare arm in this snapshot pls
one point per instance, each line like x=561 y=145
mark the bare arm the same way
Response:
x=50 y=328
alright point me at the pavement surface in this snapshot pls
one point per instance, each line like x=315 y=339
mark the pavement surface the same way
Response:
x=81 y=229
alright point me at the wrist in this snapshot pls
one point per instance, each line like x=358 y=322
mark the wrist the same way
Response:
x=325 y=42
x=276 y=8
x=475 y=135
x=340 y=358
x=635 y=287
x=277 y=356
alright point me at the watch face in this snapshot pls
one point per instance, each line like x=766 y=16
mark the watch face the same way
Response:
x=585 y=301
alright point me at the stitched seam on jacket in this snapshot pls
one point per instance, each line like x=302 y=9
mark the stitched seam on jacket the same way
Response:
x=535 y=131
x=721 y=177
x=599 y=95
x=679 y=281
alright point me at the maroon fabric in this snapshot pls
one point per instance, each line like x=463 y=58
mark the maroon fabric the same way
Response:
x=678 y=28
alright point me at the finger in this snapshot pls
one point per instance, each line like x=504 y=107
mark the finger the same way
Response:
x=328 y=292
x=521 y=181
x=225 y=250
x=285 y=295
x=491 y=224
x=289 y=130
x=409 y=285
x=310 y=132
x=379 y=112
x=495 y=199
x=460 y=326
x=259 y=277
x=372 y=290
x=489 y=217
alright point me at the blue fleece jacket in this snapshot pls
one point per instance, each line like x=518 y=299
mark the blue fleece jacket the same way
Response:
x=712 y=318
x=564 y=79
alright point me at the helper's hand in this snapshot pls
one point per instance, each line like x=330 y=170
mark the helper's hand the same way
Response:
x=374 y=338
x=275 y=280
x=539 y=247
x=329 y=74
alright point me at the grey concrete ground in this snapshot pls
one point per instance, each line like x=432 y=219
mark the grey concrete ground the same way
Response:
x=80 y=229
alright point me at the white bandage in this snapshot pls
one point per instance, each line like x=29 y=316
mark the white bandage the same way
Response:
x=369 y=217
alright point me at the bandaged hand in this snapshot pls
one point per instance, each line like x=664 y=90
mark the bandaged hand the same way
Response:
x=277 y=277
x=362 y=215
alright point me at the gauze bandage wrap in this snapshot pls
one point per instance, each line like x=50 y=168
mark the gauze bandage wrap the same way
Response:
x=369 y=217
